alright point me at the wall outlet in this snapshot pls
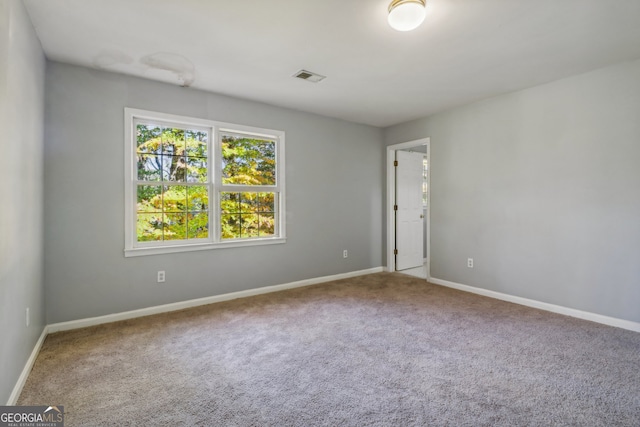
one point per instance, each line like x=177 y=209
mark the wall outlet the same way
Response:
x=28 y=319
x=161 y=276
x=345 y=254
x=470 y=262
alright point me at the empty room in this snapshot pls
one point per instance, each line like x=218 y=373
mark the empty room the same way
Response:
x=320 y=213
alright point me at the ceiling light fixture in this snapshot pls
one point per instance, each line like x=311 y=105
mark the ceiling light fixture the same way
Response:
x=406 y=15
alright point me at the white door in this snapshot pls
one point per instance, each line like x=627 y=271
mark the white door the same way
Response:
x=409 y=214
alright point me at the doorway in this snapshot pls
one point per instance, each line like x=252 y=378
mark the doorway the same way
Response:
x=402 y=233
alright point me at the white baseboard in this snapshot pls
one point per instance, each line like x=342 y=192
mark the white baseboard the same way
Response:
x=585 y=315
x=82 y=323
x=22 y=379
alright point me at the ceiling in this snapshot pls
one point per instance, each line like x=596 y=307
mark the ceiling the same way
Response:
x=466 y=50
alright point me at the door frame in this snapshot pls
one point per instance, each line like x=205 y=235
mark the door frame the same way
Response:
x=391 y=197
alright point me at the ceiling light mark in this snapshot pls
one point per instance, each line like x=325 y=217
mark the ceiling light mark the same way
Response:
x=174 y=63
x=309 y=76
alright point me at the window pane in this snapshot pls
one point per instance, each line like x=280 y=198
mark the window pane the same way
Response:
x=196 y=169
x=248 y=226
x=175 y=226
x=248 y=160
x=198 y=225
x=196 y=143
x=197 y=198
x=230 y=226
x=230 y=202
x=149 y=198
x=425 y=175
x=148 y=149
x=149 y=167
x=174 y=168
x=149 y=227
x=249 y=202
x=175 y=198
x=267 y=225
x=148 y=139
x=173 y=142
x=267 y=202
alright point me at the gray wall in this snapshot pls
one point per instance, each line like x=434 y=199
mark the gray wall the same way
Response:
x=542 y=188
x=334 y=190
x=22 y=66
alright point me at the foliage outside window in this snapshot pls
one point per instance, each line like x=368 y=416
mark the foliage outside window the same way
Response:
x=172 y=188
x=249 y=162
x=425 y=181
x=198 y=184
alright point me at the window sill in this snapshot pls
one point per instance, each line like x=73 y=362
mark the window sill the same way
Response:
x=159 y=250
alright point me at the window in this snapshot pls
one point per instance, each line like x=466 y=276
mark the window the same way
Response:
x=425 y=181
x=195 y=184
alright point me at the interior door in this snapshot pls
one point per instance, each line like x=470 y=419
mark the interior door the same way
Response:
x=409 y=213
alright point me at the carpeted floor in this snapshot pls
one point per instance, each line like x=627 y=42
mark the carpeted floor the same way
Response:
x=377 y=350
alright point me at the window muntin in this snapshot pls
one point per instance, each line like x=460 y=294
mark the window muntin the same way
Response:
x=177 y=200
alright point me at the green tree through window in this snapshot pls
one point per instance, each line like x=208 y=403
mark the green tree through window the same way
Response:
x=248 y=161
x=172 y=203
x=174 y=184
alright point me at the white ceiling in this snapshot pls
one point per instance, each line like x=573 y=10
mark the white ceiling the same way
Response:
x=466 y=50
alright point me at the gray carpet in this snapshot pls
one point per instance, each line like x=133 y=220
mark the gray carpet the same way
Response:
x=377 y=350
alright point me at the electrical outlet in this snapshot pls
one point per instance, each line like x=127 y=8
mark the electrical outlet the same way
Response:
x=28 y=319
x=161 y=276
x=470 y=262
x=345 y=254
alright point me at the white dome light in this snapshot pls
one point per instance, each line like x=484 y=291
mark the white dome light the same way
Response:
x=406 y=15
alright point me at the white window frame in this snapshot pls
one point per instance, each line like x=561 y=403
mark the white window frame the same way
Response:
x=135 y=248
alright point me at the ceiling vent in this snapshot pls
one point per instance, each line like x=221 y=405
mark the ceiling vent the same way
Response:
x=309 y=76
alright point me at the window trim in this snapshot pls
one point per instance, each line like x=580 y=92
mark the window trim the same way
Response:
x=134 y=248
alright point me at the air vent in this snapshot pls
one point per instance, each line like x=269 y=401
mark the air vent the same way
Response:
x=309 y=76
